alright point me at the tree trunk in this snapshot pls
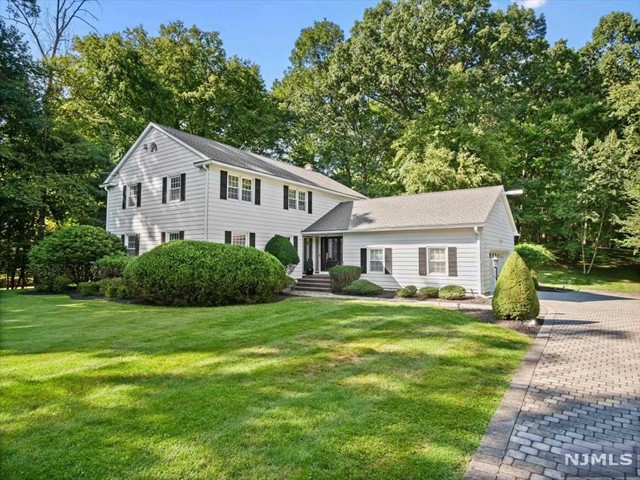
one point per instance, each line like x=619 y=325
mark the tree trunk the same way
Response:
x=595 y=243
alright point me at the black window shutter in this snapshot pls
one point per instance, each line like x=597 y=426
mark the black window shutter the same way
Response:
x=139 y=196
x=453 y=261
x=163 y=237
x=181 y=234
x=388 y=261
x=422 y=261
x=223 y=185
x=310 y=202
x=183 y=186
x=256 y=197
x=164 y=189
x=227 y=236
x=363 y=260
x=286 y=198
x=295 y=243
x=252 y=239
x=137 y=244
x=124 y=197
x=122 y=237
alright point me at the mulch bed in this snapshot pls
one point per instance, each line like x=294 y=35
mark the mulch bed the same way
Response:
x=486 y=316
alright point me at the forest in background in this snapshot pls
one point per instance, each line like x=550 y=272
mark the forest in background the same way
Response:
x=422 y=95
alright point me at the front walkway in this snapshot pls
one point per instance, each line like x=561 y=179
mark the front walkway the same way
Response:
x=577 y=392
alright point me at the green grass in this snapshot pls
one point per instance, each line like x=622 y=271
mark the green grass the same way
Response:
x=303 y=388
x=609 y=278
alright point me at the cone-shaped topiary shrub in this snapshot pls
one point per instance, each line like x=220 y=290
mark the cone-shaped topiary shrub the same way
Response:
x=281 y=248
x=190 y=272
x=515 y=295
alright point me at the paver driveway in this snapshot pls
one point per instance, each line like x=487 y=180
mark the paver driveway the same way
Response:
x=582 y=396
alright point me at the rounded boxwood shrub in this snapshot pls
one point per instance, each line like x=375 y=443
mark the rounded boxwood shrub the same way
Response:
x=515 y=296
x=90 y=289
x=71 y=251
x=281 y=248
x=452 y=292
x=407 y=291
x=428 y=292
x=114 y=288
x=343 y=275
x=111 y=266
x=191 y=272
x=363 y=287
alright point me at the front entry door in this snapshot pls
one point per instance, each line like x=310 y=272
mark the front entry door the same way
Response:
x=330 y=252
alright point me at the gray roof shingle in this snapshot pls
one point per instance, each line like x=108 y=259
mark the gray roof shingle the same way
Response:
x=436 y=209
x=234 y=157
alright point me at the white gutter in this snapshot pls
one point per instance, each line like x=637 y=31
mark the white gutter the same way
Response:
x=480 y=257
x=268 y=175
x=395 y=229
x=206 y=204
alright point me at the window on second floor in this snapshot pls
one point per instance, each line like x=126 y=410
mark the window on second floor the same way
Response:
x=133 y=195
x=247 y=190
x=302 y=201
x=175 y=185
x=233 y=187
x=293 y=197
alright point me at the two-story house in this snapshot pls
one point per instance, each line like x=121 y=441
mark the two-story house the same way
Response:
x=173 y=185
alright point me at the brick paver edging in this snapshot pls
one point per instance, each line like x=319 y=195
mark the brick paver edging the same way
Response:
x=493 y=448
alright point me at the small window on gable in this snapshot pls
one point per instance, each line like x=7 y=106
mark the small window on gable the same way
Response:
x=376 y=260
x=239 y=238
x=293 y=197
x=438 y=261
x=173 y=236
x=247 y=189
x=302 y=201
x=233 y=187
x=133 y=195
x=175 y=184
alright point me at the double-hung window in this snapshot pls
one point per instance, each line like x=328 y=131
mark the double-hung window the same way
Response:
x=133 y=195
x=175 y=185
x=233 y=188
x=376 y=260
x=302 y=201
x=293 y=197
x=438 y=261
x=239 y=238
x=247 y=190
x=131 y=244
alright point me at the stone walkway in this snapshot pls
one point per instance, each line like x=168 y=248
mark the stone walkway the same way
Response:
x=577 y=392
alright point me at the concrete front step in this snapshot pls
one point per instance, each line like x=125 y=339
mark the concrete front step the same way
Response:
x=312 y=289
x=313 y=282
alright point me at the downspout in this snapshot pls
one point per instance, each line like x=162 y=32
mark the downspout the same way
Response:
x=206 y=204
x=106 y=218
x=476 y=229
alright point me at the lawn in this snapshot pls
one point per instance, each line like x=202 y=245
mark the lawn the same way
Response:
x=610 y=278
x=302 y=388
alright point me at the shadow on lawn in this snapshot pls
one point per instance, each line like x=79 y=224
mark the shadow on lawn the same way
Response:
x=355 y=391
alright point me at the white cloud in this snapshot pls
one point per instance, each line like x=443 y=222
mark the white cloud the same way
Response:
x=533 y=3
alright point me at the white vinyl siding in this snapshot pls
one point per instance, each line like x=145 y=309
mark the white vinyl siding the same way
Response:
x=170 y=159
x=405 y=245
x=268 y=218
x=497 y=238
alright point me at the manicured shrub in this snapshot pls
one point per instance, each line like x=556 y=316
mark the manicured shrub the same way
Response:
x=114 y=288
x=60 y=283
x=535 y=279
x=290 y=282
x=515 y=295
x=308 y=266
x=90 y=289
x=343 y=275
x=71 y=252
x=408 y=291
x=428 y=292
x=534 y=255
x=452 y=292
x=190 y=272
x=281 y=248
x=111 y=266
x=363 y=287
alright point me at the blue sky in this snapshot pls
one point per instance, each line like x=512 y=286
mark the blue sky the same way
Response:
x=265 y=31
